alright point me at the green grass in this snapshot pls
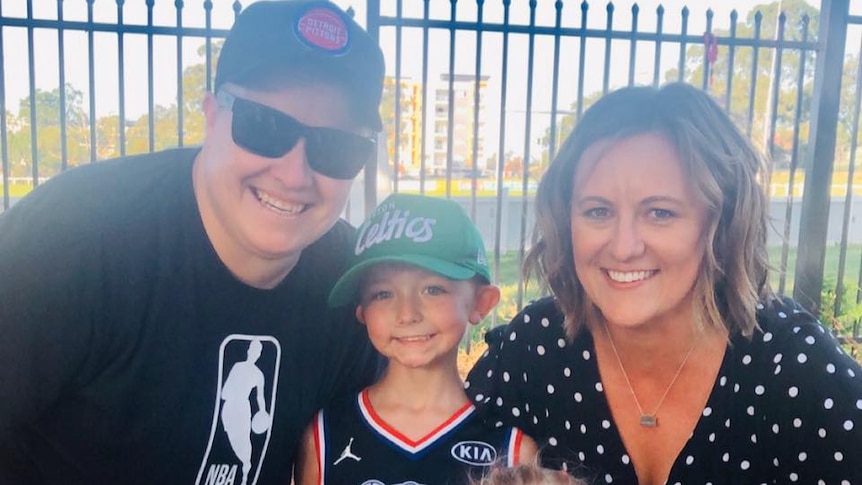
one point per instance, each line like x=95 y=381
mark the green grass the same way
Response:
x=853 y=258
x=508 y=280
x=509 y=270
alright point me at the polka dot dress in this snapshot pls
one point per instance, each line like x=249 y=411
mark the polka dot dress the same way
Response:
x=786 y=406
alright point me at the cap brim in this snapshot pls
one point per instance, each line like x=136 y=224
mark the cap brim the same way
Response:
x=345 y=290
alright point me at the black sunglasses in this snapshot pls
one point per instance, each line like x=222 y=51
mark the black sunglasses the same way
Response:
x=270 y=133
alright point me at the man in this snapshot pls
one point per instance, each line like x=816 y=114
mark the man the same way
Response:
x=130 y=289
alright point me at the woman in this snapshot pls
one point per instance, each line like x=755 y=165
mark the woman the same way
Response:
x=663 y=357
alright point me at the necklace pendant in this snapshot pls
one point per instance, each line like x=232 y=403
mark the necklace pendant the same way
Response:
x=649 y=420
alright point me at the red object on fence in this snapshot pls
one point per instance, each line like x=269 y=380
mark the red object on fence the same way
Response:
x=710 y=47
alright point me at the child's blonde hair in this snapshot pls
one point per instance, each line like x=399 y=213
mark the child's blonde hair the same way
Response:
x=526 y=474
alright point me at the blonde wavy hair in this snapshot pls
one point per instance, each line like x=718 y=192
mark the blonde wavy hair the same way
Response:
x=718 y=160
x=526 y=474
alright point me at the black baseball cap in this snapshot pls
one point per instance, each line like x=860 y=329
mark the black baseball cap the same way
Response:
x=306 y=35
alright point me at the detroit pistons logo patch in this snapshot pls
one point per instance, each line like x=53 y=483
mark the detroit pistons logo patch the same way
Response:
x=323 y=29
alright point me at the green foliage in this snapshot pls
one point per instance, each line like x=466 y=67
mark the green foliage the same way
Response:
x=846 y=322
x=508 y=279
x=406 y=98
x=740 y=77
x=49 y=143
x=564 y=127
x=49 y=149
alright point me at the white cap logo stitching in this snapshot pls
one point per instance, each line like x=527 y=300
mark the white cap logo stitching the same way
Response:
x=395 y=225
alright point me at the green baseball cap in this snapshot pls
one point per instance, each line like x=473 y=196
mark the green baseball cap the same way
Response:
x=432 y=233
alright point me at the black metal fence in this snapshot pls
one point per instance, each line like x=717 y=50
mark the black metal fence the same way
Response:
x=480 y=96
x=615 y=42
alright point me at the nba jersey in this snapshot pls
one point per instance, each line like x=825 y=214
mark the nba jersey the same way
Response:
x=355 y=446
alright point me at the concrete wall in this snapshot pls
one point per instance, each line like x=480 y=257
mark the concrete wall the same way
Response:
x=778 y=213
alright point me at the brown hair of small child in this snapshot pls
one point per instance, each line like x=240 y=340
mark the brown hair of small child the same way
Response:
x=526 y=474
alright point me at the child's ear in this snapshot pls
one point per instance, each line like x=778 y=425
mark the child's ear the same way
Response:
x=487 y=297
x=360 y=315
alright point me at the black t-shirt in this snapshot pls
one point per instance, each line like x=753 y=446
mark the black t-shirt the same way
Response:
x=786 y=406
x=129 y=352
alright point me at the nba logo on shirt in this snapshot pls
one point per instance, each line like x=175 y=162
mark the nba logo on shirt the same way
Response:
x=243 y=410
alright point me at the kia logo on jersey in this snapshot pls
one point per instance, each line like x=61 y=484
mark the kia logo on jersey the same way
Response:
x=476 y=453
x=243 y=410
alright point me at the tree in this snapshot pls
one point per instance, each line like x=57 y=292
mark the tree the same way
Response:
x=752 y=114
x=797 y=16
x=194 y=89
x=18 y=146
x=165 y=118
x=410 y=107
x=49 y=145
x=564 y=129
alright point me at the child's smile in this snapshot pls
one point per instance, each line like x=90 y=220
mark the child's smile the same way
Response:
x=416 y=338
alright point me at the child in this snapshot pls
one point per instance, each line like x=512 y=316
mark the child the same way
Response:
x=418 y=277
x=527 y=474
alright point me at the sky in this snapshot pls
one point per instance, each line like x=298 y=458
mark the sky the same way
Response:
x=15 y=51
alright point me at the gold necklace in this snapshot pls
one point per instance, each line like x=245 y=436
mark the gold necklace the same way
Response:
x=648 y=420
